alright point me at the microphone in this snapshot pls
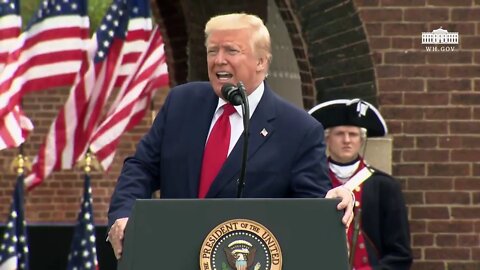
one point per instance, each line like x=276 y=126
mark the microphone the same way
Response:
x=237 y=95
x=232 y=94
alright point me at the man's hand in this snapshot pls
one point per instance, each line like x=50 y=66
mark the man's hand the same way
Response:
x=346 y=203
x=116 y=234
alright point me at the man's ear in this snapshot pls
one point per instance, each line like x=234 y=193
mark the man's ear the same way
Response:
x=261 y=64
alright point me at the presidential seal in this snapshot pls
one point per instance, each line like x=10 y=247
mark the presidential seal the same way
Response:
x=240 y=244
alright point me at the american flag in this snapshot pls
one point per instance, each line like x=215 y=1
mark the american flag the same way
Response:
x=139 y=29
x=14 y=244
x=10 y=27
x=83 y=253
x=150 y=73
x=48 y=53
x=14 y=126
x=71 y=131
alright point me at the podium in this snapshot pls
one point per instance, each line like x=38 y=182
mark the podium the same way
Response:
x=221 y=234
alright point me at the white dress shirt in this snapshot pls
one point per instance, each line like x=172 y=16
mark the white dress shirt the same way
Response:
x=236 y=119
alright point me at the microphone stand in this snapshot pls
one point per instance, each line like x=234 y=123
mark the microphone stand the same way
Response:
x=246 y=120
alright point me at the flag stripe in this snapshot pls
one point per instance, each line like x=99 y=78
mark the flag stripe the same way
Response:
x=136 y=96
x=67 y=50
x=135 y=42
x=42 y=64
x=10 y=21
x=69 y=36
x=105 y=143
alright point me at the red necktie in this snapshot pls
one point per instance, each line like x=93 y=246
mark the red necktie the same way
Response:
x=216 y=150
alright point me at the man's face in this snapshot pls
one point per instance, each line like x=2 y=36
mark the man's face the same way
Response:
x=344 y=143
x=231 y=58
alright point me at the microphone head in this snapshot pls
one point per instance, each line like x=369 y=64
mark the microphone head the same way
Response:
x=227 y=90
x=232 y=94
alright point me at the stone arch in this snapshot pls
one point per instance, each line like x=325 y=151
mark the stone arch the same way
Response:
x=335 y=60
x=328 y=40
x=169 y=15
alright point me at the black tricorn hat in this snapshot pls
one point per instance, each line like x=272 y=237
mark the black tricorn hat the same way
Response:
x=350 y=112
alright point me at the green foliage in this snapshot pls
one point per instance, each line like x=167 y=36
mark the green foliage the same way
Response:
x=224 y=266
x=27 y=7
x=96 y=10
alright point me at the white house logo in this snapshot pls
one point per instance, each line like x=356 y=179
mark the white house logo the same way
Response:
x=240 y=244
x=440 y=37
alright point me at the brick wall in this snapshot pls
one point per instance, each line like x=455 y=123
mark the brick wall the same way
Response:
x=431 y=103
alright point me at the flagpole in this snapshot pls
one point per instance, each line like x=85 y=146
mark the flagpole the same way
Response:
x=20 y=157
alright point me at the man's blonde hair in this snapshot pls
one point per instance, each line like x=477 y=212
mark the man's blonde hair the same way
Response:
x=261 y=42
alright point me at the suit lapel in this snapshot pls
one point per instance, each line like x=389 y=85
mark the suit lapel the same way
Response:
x=261 y=130
x=197 y=133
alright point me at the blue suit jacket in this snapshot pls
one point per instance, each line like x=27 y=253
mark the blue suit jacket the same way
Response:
x=289 y=161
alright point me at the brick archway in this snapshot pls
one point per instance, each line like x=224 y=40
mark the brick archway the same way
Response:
x=328 y=40
x=331 y=48
x=171 y=19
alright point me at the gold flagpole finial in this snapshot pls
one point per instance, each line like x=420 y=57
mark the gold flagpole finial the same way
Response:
x=20 y=164
x=88 y=162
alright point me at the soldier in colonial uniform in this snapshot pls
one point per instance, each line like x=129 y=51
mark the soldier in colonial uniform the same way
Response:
x=381 y=239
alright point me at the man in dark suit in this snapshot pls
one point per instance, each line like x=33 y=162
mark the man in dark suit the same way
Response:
x=381 y=237
x=285 y=151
